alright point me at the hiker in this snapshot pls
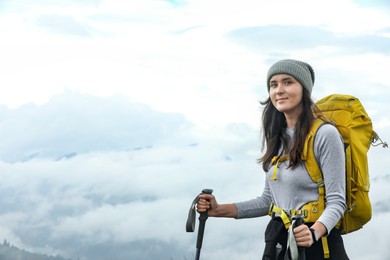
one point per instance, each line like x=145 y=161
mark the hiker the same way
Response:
x=288 y=115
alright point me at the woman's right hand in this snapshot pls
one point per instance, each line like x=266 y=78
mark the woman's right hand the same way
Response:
x=207 y=202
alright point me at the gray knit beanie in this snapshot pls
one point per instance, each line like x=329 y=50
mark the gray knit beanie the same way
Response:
x=300 y=70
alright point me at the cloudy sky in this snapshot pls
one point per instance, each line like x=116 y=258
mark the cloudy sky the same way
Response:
x=115 y=114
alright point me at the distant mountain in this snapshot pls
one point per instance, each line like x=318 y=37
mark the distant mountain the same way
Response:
x=10 y=252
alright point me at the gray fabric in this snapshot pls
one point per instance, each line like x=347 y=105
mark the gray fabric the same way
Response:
x=292 y=244
x=294 y=188
x=300 y=70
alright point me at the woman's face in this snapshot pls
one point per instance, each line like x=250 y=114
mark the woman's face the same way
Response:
x=286 y=94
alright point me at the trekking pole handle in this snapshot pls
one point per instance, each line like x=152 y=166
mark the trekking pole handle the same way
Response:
x=299 y=221
x=205 y=215
x=190 y=224
x=207 y=191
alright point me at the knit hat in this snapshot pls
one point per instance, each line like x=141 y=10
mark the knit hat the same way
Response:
x=300 y=70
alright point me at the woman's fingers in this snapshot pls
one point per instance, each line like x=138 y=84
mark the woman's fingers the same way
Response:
x=203 y=205
x=303 y=236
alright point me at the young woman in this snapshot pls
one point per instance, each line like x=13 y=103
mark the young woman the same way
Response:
x=287 y=118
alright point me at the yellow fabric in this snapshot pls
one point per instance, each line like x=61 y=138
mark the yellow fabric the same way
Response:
x=325 y=247
x=275 y=162
x=355 y=127
x=285 y=215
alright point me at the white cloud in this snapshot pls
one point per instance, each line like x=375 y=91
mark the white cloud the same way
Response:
x=73 y=123
x=199 y=81
x=134 y=49
x=144 y=195
x=116 y=197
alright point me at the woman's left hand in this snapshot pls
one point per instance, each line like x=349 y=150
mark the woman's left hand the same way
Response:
x=303 y=236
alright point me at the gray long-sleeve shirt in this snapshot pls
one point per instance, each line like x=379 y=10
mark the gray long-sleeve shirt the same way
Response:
x=294 y=188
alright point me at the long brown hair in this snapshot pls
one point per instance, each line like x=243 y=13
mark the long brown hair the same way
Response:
x=274 y=131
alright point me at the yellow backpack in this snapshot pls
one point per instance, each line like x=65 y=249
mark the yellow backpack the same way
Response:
x=355 y=127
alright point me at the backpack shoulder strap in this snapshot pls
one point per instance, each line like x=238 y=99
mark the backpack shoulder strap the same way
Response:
x=308 y=153
x=314 y=209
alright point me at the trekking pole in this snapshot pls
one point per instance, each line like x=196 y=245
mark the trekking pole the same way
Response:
x=299 y=221
x=190 y=225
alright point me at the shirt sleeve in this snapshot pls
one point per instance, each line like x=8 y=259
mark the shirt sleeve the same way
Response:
x=330 y=155
x=256 y=207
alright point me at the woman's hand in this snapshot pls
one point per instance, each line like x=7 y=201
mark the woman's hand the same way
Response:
x=303 y=236
x=207 y=202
